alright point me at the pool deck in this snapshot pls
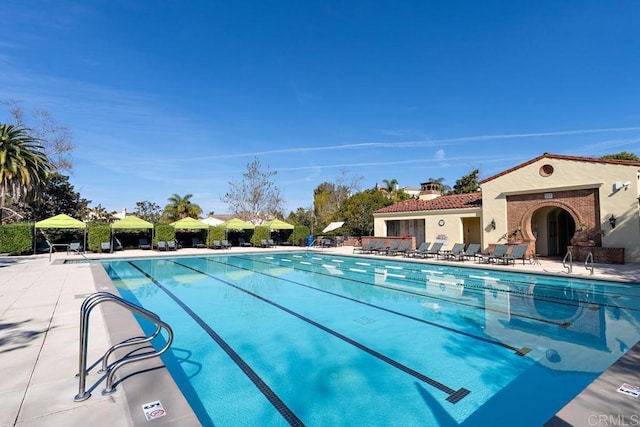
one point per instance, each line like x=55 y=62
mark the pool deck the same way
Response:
x=39 y=333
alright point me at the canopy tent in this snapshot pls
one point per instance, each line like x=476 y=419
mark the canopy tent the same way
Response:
x=59 y=222
x=132 y=222
x=276 y=224
x=189 y=223
x=192 y=224
x=236 y=224
x=333 y=226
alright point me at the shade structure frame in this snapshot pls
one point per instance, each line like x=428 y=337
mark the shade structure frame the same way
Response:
x=60 y=221
x=132 y=222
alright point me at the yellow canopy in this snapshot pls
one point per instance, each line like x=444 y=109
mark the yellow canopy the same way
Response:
x=131 y=222
x=276 y=224
x=189 y=223
x=61 y=221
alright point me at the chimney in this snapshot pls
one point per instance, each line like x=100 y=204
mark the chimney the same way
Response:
x=430 y=190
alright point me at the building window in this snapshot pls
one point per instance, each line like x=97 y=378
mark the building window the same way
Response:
x=546 y=170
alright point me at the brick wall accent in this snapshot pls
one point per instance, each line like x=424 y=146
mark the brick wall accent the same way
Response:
x=600 y=254
x=582 y=205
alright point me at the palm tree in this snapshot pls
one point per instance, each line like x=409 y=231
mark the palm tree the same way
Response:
x=180 y=207
x=24 y=166
x=390 y=185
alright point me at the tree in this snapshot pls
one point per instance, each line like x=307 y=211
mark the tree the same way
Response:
x=392 y=191
x=390 y=185
x=325 y=202
x=256 y=198
x=357 y=211
x=24 y=166
x=98 y=213
x=467 y=184
x=57 y=197
x=302 y=216
x=181 y=207
x=329 y=196
x=56 y=139
x=149 y=211
x=622 y=156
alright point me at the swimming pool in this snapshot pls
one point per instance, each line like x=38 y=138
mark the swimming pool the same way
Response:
x=297 y=338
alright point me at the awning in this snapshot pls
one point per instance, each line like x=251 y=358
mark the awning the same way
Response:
x=333 y=226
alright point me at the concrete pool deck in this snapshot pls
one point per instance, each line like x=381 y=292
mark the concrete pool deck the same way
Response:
x=39 y=328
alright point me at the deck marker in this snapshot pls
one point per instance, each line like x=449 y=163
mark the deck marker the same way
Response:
x=153 y=410
x=629 y=390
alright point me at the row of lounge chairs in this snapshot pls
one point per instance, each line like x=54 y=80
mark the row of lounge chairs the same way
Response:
x=457 y=251
x=502 y=254
x=169 y=245
x=382 y=247
x=267 y=243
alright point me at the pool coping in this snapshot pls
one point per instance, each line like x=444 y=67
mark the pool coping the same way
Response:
x=151 y=380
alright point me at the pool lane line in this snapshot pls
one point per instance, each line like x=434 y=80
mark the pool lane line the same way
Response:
x=271 y=396
x=563 y=325
x=546 y=298
x=411 y=291
x=518 y=351
x=577 y=279
x=454 y=396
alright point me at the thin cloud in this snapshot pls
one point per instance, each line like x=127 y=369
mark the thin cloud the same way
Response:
x=400 y=144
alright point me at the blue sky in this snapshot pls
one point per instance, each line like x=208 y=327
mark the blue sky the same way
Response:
x=169 y=97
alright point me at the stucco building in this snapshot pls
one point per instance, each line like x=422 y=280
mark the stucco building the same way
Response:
x=553 y=203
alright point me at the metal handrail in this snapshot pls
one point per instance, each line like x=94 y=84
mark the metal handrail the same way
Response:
x=88 y=305
x=564 y=262
x=589 y=265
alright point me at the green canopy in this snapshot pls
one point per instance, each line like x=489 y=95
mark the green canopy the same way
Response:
x=61 y=221
x=276 y=224
x=237 y=224
x=131 y=222
x=189 y=223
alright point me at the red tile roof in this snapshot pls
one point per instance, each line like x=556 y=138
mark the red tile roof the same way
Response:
x=562 y=157
x=454 y=201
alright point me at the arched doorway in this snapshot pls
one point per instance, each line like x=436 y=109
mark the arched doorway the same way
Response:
x=553 y=228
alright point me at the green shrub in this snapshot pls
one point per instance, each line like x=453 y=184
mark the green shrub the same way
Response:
x=216 y=233
x=299 y=232
x=260 y=233
x=97 y=234
x=164 y=232
x=17 y=238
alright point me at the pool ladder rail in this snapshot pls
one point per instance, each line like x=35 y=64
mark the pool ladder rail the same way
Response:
x=567 y=262
x=109 y=370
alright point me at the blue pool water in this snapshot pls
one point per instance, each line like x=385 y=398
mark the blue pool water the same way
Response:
x=317 y=339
